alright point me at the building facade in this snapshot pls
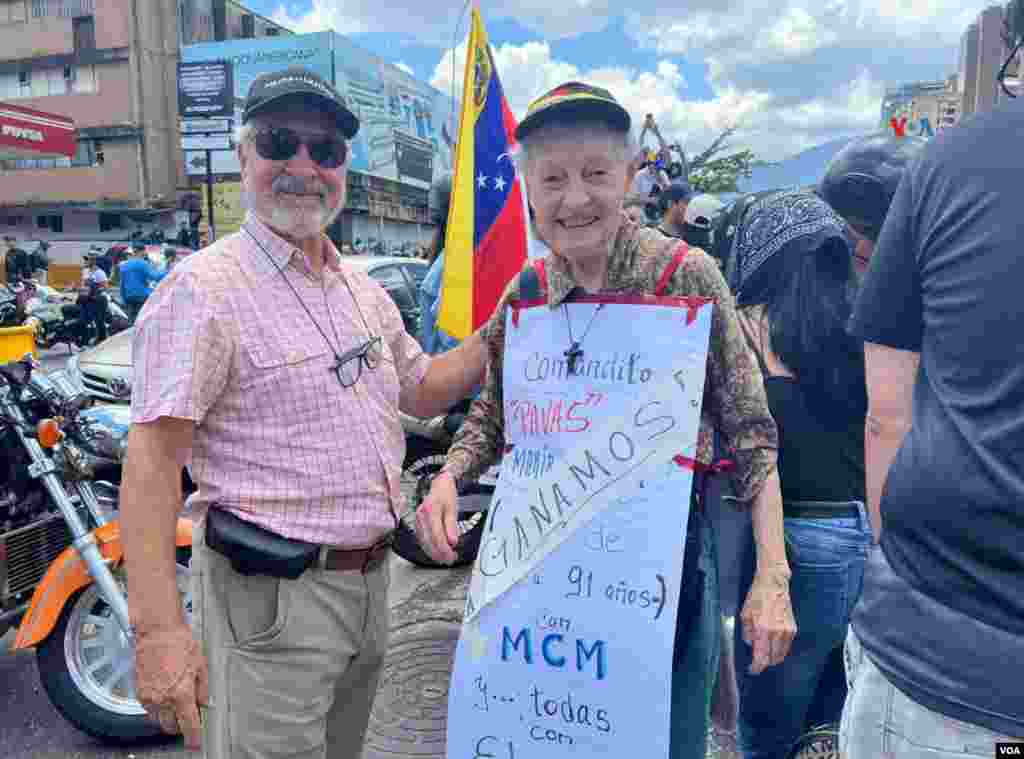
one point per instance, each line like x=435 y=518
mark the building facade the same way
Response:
x=404 y=141
x=983 y=51
x=992 y=54
x=106 y=65
x=218 y=20
x=111 y=67
x=968 y=72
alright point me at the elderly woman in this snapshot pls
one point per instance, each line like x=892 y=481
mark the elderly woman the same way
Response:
x=575 y=151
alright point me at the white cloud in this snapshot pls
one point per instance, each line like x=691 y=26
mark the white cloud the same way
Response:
x=324 y=15
x=406 y=68
x=751 y=33
x=792 y=73
x=770 y=26
x=773 y=129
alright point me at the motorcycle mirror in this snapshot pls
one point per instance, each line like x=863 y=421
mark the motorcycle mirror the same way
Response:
x=48 y=433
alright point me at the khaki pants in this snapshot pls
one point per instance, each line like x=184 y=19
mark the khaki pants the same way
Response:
x=294 y=664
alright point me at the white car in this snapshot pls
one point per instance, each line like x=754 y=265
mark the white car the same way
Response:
x=105 y=371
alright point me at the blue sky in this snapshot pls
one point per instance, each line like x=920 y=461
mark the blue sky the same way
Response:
x=790 y=74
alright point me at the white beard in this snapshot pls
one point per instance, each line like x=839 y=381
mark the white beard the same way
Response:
x=291 y=222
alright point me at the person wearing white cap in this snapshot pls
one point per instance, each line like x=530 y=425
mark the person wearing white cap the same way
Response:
x=698 y=219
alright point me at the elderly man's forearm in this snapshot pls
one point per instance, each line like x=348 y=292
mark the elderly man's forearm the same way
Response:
x=451 y=377
x=150 y=503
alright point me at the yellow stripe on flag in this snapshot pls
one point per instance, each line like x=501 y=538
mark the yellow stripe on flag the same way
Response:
x=456 y=313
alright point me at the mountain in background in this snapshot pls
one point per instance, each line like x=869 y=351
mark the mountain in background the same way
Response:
x=805 y=168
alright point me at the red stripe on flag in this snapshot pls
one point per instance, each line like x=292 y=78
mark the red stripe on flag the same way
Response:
x=499 y=257
x=510 y=122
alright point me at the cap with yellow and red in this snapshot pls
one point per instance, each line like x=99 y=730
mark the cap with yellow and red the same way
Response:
x=573 y=102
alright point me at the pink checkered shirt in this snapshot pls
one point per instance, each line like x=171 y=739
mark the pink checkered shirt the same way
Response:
x=224 y=341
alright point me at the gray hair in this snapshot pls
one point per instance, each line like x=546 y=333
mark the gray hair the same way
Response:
x=245 y=132
x=524 y=148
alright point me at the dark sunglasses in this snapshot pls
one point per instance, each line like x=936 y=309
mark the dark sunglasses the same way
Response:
x=282 y=144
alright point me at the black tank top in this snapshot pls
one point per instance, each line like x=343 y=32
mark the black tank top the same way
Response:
x=820 y=458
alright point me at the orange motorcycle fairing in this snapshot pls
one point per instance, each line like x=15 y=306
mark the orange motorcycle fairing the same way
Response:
x=67 y=575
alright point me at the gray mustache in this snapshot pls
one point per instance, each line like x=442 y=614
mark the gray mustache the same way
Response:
x=298 y=185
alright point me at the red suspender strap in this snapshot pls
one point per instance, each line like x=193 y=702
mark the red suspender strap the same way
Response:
x=666 y=276
x=542 y=284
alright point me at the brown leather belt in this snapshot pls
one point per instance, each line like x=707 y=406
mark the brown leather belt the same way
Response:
x=354 y=559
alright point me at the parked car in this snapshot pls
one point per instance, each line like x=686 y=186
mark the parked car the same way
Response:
x=106 y=369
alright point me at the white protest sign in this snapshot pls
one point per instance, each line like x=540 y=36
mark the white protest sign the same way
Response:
x=567 y=641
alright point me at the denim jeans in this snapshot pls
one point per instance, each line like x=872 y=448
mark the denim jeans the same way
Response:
x=808 y=688
x=880 y=721
x=697 y=647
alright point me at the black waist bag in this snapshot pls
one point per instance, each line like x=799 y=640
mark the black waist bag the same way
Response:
x=253 y=550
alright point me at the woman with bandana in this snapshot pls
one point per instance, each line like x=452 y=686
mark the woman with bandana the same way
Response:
x=792 y=258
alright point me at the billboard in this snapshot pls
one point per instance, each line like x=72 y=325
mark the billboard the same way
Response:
x=205 y=89
x=402 y=134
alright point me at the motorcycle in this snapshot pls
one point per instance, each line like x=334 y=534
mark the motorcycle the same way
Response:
x=62 y=578
x=427 y=442
x=9 y=316
x=60 y=320
x=15 y=301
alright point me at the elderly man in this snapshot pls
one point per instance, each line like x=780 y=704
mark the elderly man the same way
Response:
x=276 y=372
x=575 y=152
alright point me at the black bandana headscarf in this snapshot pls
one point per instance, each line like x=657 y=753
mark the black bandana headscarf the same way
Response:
x=788 y=223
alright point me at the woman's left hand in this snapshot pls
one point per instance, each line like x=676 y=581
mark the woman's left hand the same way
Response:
x=767 y=618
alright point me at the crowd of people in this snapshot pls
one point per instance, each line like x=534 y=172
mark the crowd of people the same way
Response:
x=857 y=378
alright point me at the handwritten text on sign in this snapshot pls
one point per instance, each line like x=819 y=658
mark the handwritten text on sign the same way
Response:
x=567 y=644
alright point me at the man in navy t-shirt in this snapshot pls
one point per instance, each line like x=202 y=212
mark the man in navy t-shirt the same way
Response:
x=936 y=659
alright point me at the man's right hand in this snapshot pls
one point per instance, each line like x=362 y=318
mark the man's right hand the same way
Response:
x=172 y=680
x=437 y=520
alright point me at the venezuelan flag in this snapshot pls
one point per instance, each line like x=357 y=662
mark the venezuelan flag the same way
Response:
x=486 y=243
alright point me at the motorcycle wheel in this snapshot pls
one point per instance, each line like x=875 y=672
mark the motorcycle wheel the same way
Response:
x=87 y=667
x=820 y=743
x=422 y=464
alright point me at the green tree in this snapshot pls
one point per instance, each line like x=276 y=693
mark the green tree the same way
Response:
x=715 y=173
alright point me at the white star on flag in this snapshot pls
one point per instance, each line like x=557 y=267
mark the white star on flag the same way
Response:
x=500 y=183
x=482 y=180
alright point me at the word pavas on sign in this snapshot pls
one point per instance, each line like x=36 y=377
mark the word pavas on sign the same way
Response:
x=573 y=601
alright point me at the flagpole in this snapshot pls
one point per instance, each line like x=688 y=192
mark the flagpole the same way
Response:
x=458 y=269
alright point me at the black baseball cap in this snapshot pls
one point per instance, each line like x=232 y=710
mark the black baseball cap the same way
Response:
x=571 y=102
x=298 y=82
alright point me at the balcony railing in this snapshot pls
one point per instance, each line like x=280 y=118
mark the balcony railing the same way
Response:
x=63 y=8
